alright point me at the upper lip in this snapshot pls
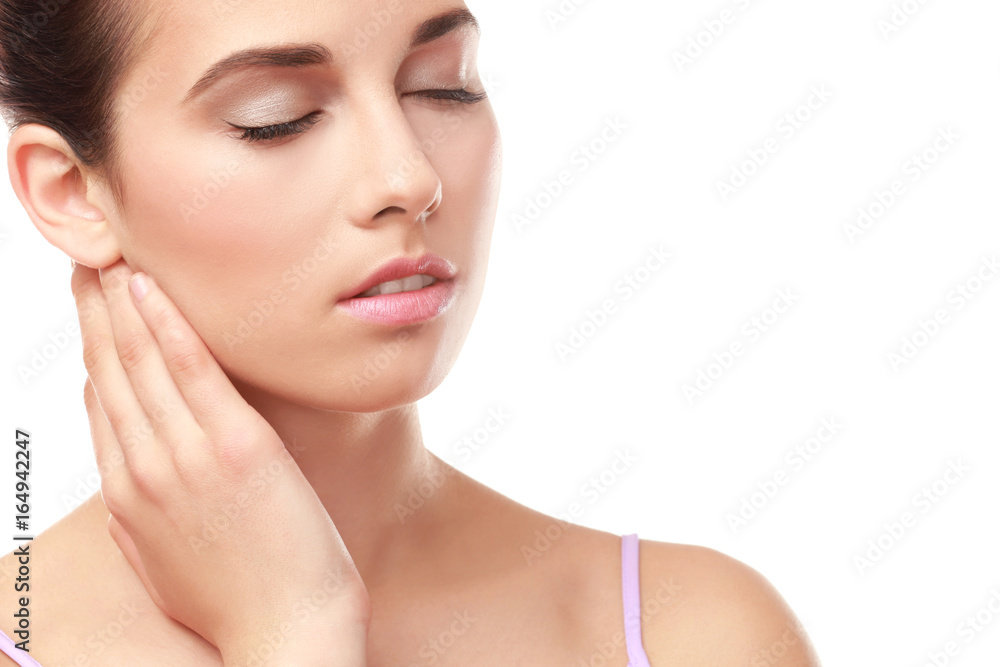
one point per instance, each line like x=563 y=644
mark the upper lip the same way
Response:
x=401 y=267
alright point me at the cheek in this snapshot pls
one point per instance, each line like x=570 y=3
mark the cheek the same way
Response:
x=464 y=147
x=232 y=243
x=186 y=206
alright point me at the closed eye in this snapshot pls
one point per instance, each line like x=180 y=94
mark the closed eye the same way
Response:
x=272 y=132
x=455 y=95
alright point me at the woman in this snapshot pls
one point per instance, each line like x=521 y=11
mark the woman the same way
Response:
x=279 y=215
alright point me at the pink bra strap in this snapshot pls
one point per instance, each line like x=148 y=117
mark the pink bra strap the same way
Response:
x=630 y=600
x=16 y=654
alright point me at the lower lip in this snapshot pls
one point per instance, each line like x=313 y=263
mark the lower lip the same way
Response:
x=402 y=307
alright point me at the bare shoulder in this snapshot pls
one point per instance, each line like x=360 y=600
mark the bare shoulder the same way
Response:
x=703 y=607
x=53 y=578
x=85 y=604
x=26 y=575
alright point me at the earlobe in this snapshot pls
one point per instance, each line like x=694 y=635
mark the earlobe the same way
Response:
x=61 y=196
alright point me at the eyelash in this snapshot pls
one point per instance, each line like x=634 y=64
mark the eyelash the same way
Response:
x=271 y=132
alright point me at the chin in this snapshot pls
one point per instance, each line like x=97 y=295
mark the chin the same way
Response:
x=406 y=380
x=400 y=369
x=386 y=392
x=384 y=377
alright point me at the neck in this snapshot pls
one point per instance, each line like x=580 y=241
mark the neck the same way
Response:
x=365 y=468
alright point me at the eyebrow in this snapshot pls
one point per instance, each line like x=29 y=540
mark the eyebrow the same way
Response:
x=304 y=55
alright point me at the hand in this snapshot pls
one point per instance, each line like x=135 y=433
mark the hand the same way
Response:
x=206 y=504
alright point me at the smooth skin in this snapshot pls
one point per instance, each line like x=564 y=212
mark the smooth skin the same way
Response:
x=248 y=245
x=198 y=449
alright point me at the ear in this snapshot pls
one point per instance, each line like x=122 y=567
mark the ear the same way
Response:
x=65 y=200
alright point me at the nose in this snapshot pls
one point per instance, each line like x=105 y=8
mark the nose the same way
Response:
x=395 y=178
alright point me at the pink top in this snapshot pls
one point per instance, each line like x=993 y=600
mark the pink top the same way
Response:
x=630 y=601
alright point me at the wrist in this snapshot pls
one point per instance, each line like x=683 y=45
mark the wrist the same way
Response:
x=318 y=653
x=341 y=641
x=304 y=656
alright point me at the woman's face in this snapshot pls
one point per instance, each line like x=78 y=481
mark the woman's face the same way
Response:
x=256 y=240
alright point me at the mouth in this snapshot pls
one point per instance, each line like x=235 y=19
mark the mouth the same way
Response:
x=403 y=291
x=402 y=275
x=408 y=284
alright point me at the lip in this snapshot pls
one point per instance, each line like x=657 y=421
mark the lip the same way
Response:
x=402 y=307
x=401 y=267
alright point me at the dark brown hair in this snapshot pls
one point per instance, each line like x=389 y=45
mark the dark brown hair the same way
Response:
x=61 y=65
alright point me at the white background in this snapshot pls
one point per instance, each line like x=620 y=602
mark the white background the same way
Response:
x=685 y=130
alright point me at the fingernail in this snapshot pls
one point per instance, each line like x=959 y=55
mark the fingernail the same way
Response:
x=137 y=284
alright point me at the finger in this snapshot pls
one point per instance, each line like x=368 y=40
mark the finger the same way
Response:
x=144 y=365
x=131 y=553
x=107 y=451
x=114 y=392
x=206 y=389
